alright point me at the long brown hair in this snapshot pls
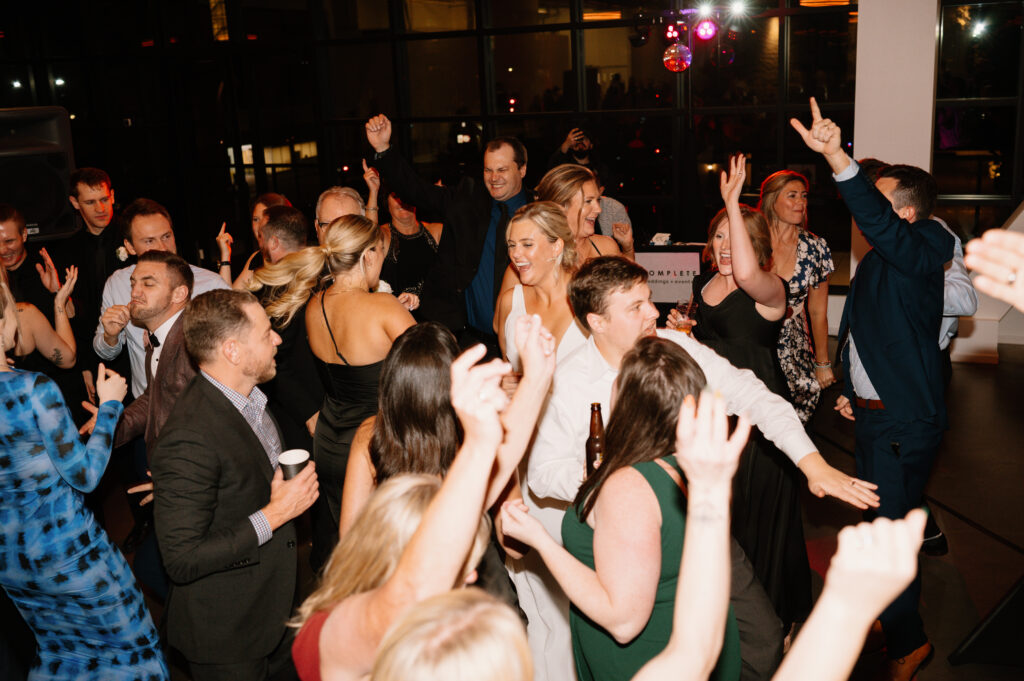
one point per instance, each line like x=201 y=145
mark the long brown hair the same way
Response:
x=656 y=375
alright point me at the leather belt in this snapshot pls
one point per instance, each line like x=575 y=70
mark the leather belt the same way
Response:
x=868 y=404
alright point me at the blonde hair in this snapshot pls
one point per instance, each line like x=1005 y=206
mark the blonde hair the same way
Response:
x=562 y=183
x=757 y=228
x=462 y=635
x=368 y=554
x=772 y=187
x=7 y=306
x=550 y=220
x=294 y=276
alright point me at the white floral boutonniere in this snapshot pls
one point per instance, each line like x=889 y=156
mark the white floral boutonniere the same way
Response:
x=121 y=253
x=383 y=287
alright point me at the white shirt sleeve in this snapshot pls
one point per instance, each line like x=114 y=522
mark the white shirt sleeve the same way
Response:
x=557 y=459
x=744 y=393
x=98 y=344
x=959 y=299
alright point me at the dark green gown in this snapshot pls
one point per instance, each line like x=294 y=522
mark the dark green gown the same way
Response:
x=598 y=656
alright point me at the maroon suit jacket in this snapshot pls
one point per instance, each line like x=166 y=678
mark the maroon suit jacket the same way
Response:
x=148 y=413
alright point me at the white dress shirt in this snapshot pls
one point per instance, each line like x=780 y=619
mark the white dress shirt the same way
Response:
x=118 y=291
x=557 y=459
x=959 y=299
x=161 y=335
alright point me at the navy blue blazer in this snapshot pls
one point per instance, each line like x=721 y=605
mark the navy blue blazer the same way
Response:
x=894 y=307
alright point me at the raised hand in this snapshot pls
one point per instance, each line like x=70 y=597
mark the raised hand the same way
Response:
x=64 y=292
x=372 y=178
x=875 y=561
x=224 y=241
x=998 y=258
x=517 y=523
x=477 y=397
x=705 y=450
x=731 y=184
x=622 y=232
x=110 y=385
x=824 y=136
x=378 y=133
x=575 y=135
x=536 y=346
x=48 y=272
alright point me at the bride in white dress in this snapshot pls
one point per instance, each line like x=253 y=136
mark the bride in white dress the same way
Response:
x=542 y=249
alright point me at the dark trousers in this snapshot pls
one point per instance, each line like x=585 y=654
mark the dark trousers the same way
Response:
x=277 y=667
x=760 y=628
x=897 y=457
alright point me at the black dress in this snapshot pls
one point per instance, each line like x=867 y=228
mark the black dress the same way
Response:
x=766 y=506
x=408 y=260
x=351 y=398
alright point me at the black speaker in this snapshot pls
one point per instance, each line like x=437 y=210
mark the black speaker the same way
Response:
x=36 y=161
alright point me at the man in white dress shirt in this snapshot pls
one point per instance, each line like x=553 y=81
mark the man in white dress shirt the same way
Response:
x=610 y=298
x=147 y=227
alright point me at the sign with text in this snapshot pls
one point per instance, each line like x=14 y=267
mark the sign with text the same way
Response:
x=671 y=272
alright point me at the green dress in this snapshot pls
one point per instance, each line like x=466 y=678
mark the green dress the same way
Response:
x=598 y=656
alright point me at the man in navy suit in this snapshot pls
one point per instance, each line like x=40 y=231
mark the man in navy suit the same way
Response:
x=887 y=340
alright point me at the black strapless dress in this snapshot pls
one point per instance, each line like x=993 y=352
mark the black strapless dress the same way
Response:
x=766 y=517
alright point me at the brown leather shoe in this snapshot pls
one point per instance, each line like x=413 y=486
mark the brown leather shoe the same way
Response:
x=906 y=668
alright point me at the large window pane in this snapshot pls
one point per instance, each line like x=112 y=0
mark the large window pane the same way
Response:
x=439 y=15
x=530 y=12
x=443 y=77
x=345 y=19
x=979 y=52
x=363 y=80
x=823 y=57
x=970 y=221
x=974 y=149
x=740 y=65
x=620 y=76
x=533 y=72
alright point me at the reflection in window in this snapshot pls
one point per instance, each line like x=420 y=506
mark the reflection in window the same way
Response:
x=740 y=65
x=973 y=220
x=974 y=150
x=609 y=10
x=362 y=78
x=530 y=12
x=620 y=76
x=979 y=52
x=439 y=15
x=533 y=72
x=823 y=57
x=443 y=77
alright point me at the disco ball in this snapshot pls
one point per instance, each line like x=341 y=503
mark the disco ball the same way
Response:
x=677 y=58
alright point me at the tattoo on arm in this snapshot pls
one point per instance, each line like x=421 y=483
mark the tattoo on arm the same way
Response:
x=57 y=357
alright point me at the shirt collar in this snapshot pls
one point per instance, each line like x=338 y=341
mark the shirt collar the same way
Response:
x=255 y=401
x=165 y=328
x=597 y=365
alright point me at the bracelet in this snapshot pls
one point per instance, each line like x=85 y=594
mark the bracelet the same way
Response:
x=369 y=208
x=823 y=365
x=224 y=263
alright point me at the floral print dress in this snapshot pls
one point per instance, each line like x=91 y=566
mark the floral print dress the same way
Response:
x=813 y=266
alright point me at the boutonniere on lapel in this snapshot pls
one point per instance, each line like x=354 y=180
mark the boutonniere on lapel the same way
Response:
x=121 y=253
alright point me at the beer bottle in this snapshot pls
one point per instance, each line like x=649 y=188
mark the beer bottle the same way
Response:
x=595 y=443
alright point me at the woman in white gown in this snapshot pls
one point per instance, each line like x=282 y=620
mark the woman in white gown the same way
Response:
x=542 y=249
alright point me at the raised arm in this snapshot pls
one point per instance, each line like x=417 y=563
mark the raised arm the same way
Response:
x=912 y=250
x=873 y=564
x=709 y=458
x=437 y=552
x=537 y=349
x=81 y=466
x=764 y=287
x=399 y=175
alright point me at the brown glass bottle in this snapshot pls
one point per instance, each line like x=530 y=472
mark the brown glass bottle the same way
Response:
x=595 y=443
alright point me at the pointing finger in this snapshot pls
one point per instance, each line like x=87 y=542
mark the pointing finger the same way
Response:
x=815 y=111
x=365 y=167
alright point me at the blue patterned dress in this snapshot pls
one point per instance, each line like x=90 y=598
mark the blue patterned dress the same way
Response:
x=813 y=267
x=73 y=588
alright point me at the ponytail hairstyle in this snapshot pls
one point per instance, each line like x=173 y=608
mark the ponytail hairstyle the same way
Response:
x=294 y=276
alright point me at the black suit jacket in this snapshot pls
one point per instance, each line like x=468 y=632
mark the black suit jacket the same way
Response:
x=150 y=410
x=230 y=597
x=466 y=211
x=894 y=307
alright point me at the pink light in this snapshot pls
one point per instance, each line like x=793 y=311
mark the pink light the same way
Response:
x=706 y=29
